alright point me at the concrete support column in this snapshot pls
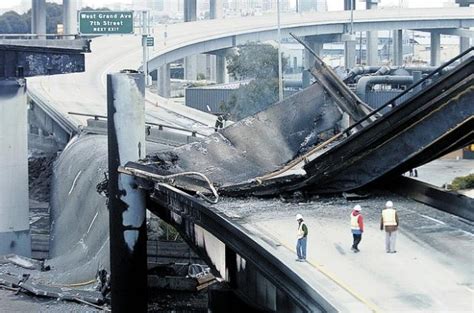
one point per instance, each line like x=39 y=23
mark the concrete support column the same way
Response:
x=38 y=17
x=190 y=62
x=70 y=17
x=190 y=67
x=210 y=69
x=347 y=4
x=163 y=81
x=435 y=59
x=14 y=203
x=349 y=45
x=216 y=9
x=372 y=39
x=308 y=58
x=126 y=142
x=221 y=70
x=398 y=47
x=190 y=10
x=464 y=42
x=349 y=53
x=372 y=48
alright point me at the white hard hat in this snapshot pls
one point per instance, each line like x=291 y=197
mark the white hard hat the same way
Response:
x=357 y=208
x=389 y=204
x=299 y=217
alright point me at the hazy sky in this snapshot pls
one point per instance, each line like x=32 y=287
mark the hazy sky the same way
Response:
x=332 y=4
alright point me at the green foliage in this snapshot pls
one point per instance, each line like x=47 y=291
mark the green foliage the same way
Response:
x=169 y=232
x=259 y=63
x=54 y=16
x=251 y=98
x=13 y=23
x=463 y=182
x=201 y=76
x=254 y=61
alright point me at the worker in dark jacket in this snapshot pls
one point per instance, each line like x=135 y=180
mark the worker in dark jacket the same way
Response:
x=357 y=227
x=390 y=222
x=302 y=236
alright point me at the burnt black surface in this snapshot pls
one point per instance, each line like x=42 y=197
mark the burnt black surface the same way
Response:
x=258 y=144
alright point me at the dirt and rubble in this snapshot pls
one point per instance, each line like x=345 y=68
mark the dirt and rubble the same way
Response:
x=40 y=170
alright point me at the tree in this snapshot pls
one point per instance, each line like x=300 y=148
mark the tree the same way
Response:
x=13 y=23
x=259 y=64
x=54 y=16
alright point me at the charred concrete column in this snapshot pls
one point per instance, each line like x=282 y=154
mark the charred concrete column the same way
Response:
x=38 y=17
x=308 y=58
x=126 y=142
x=70 y=17
x=216 y=9
x=435 y=59
x=398 y=47
x=163 y=79
x=14 y=203
x=372 y=38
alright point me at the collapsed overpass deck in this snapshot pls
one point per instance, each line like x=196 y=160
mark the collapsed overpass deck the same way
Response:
x=273 y=151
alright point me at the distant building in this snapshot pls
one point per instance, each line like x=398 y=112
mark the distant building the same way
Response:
x=312 y=5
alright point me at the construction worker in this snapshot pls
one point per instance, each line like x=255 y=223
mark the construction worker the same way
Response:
x=357 y=227
x=302 y=236
x=389 y=221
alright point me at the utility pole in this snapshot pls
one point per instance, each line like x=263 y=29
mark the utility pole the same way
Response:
x=280 y=74
x=144 y=44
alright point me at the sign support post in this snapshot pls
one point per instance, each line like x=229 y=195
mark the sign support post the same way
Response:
x=144 y=45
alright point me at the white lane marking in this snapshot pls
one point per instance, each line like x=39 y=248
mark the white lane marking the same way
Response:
x=467 y=233
x=74 y=182
x=433 y=219
x=93 y=220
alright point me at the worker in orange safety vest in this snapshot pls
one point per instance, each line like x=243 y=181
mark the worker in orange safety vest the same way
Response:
x=357 y=227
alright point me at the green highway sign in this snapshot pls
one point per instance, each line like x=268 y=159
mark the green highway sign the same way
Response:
x=150 y=41
x=105 y=22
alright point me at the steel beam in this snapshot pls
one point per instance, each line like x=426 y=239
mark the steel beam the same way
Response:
x=126 y=142
x=308 y=58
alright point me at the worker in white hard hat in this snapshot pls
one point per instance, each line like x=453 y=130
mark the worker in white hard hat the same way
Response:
x=302 y=236
x=357 y=227
x=390 y=222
